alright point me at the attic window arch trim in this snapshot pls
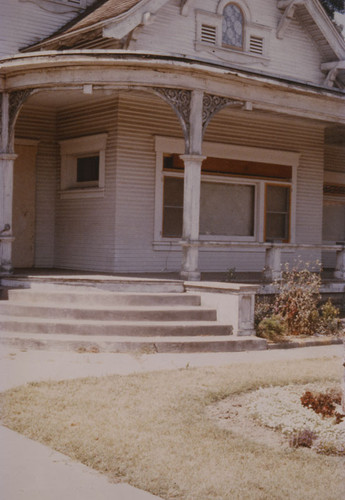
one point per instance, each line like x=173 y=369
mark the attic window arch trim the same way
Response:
x=239 y=3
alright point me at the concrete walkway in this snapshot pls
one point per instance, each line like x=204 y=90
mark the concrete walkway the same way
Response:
x=31 y=471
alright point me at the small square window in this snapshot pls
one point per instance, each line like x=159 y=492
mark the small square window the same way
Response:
x=83 y=166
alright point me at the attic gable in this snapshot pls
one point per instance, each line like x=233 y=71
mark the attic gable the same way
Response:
x=104 y=19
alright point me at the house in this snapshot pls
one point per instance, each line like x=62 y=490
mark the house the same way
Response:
x=171 y=136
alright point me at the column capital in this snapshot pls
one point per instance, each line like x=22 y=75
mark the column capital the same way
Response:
x=193 y=158
x=8 y=156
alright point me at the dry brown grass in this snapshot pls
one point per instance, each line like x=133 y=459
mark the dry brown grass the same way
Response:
x=152 y=431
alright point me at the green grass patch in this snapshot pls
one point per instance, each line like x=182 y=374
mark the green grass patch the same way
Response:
x=152 y=430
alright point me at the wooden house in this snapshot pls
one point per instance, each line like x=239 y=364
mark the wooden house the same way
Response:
x=189 y=136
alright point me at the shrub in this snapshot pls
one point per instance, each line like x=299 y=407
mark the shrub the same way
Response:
x=297 y=300
x=271 y=328
x=296 y=304
x=330 y=323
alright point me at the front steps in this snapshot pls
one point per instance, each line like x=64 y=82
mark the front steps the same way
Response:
x=89 y=319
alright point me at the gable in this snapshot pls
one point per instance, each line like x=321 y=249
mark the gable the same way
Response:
x=293 y=39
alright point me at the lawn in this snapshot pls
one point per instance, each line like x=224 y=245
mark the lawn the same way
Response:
x=154 y=431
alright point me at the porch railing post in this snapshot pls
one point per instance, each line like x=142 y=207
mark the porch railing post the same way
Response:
x=273 y=271
x=339 y=271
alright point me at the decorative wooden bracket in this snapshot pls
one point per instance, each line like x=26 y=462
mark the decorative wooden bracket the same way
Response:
x=289 y=7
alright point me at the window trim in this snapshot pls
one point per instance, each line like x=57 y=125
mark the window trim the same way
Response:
x=71 y=150
x=169 y=145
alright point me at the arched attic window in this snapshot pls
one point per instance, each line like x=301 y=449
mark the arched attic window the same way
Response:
x=233 y=26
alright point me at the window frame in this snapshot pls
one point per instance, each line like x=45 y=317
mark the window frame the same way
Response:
x=82 y=147
x=167 y=145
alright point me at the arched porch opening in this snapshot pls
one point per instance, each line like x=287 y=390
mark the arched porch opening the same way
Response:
x=97 y=228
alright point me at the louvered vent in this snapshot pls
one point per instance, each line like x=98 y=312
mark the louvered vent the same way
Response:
x=256 y=45
x=208 y=34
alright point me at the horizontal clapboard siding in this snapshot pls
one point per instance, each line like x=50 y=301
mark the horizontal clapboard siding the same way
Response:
x=298 y=55
x=37 y=123
x=25 y=23
x=141 y=118
x=85 y=226
x=116 y=233
x=335 y=158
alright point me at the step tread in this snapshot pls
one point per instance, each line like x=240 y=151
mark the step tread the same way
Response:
x=78 y=307
x=134 y=339
x=29 y=319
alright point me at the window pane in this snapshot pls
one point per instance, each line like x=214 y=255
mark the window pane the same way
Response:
x=227 y=209
x=277 y=212
x=88 y=169
x=277 y=199
x=172 y=207
x=172 y=222
x=232 y=26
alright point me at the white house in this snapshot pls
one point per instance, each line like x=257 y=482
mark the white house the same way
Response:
x=171 y=135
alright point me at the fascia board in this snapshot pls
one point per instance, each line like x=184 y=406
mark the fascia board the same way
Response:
x=319 y=16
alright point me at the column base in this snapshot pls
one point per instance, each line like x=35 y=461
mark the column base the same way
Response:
x=190 y=275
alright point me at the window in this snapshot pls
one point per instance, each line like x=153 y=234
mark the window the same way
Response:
x=232 y=26
x=246 y=194
x=82 y=166
x=231 y=34
x=277 y=222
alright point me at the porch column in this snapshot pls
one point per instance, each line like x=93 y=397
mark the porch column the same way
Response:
x=191 y=216
x=339 y=271
x=191 y=197
x=6 y=187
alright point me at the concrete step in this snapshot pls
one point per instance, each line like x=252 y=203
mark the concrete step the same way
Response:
x=145 y=345
x=24 y=324
x=102 y=282
x=95 y=298
x=123 y=313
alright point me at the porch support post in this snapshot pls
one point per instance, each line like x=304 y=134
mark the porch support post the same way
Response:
x=6 y=187
x=272 y=271
x=191 y=195
x=191 y=216
x=339 y=271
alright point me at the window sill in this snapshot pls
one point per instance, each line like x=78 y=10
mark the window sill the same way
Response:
x=81 y=193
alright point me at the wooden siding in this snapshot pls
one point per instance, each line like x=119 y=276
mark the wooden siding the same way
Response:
x=116 y=233
x=296 y=56
x=335 y=158
x=140 y=118
x=85 y=226
x=25 y=23
x=37 y=123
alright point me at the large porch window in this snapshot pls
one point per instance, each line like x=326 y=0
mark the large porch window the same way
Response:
x=249 y=197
